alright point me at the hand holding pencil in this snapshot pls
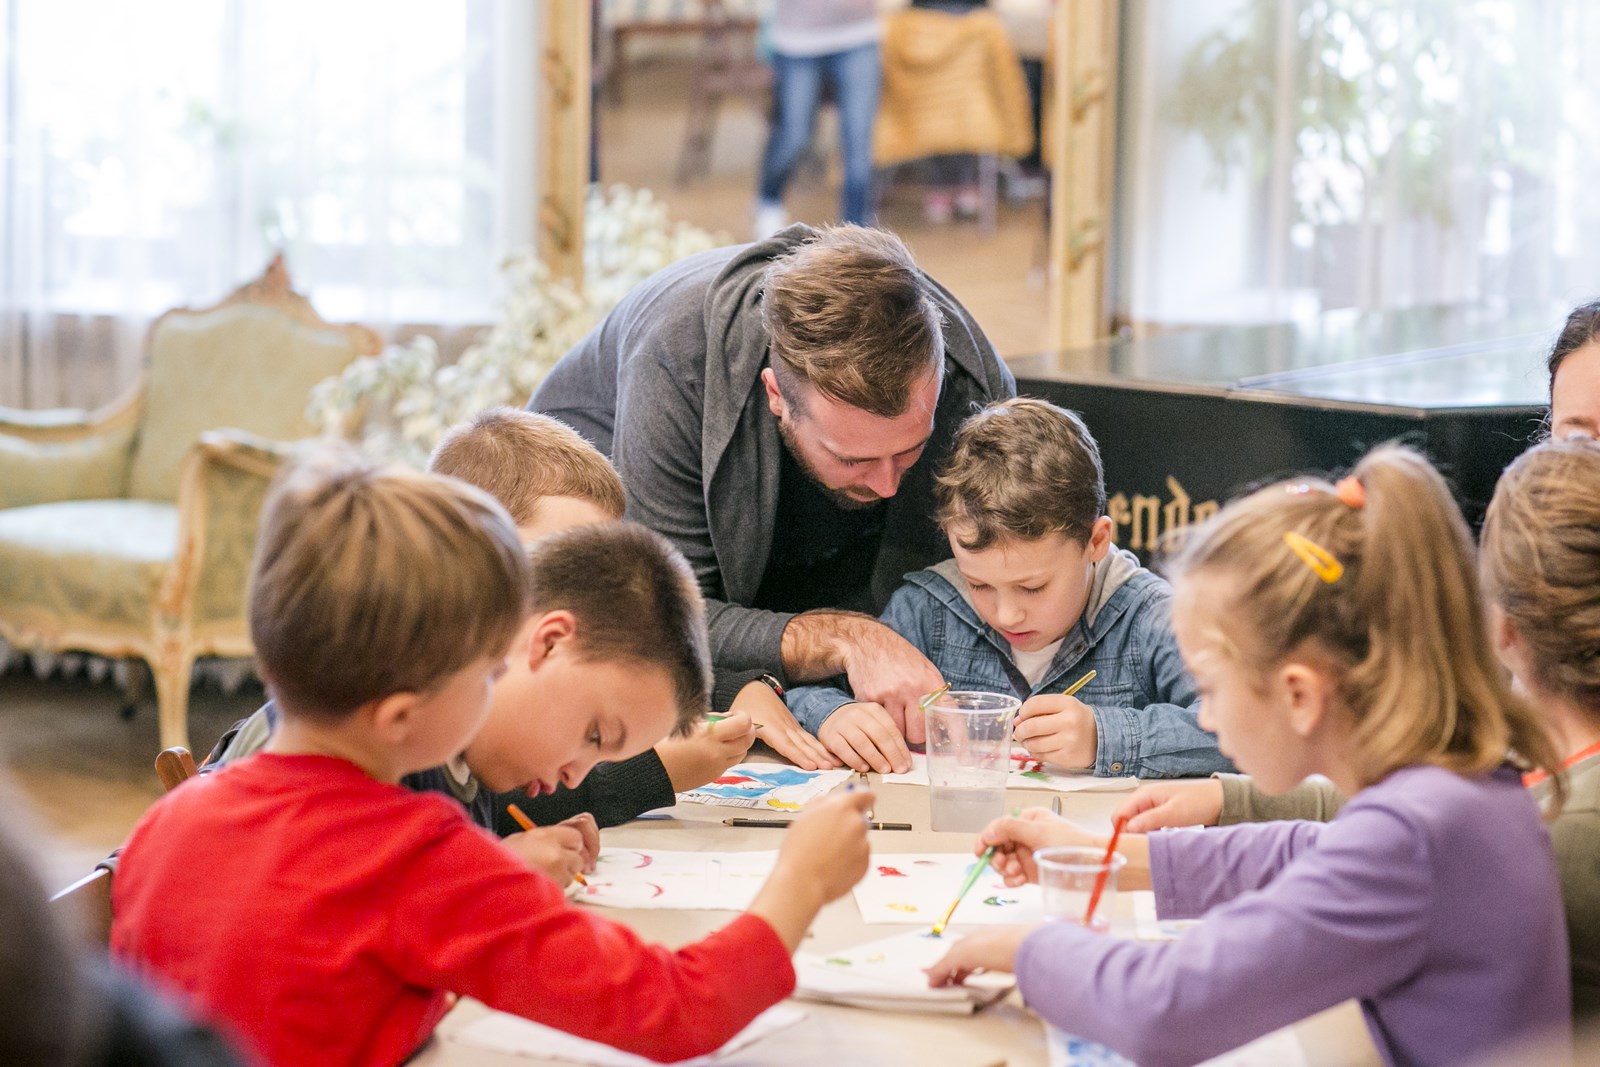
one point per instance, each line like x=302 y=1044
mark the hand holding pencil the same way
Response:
x=1059 y=728
x=563 y=851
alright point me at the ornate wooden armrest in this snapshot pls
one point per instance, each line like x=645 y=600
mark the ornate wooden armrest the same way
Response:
x=61 y=425
x=225 y=480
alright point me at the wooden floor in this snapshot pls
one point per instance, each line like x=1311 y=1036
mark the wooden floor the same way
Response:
x=87 y=775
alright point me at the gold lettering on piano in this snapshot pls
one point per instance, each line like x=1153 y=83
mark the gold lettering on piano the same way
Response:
x=1148 y=519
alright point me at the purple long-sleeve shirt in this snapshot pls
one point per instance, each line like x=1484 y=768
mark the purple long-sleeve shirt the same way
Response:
x=1432 y=898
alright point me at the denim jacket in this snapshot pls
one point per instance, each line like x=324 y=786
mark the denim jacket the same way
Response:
x=1144 y=702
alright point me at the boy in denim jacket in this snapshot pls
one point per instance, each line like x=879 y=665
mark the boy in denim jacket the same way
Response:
x=1036 y=597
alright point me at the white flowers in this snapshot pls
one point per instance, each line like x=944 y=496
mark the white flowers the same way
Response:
x=402 y=400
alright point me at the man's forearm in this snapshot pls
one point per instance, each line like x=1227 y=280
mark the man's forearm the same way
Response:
x=816 y=644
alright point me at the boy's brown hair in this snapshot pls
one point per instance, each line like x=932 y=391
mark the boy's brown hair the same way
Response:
x=518 y=457
x=635 y=600
x=1018 y=470
x=849 y=313
x=372 y=579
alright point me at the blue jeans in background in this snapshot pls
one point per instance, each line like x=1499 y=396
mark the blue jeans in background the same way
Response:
x=797 y=95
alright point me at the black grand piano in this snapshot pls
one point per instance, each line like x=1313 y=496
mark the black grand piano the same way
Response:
x=1187 y=420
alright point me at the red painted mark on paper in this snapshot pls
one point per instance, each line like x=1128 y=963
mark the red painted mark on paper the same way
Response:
x=890 y=872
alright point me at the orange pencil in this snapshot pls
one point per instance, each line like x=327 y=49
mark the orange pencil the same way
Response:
x=527 y=824
x=1105 y=869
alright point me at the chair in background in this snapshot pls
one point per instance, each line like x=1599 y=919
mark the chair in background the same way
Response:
x=88 y=900
x=952 y=85
x=129 y=531
x=623 y=20
x=726 y=66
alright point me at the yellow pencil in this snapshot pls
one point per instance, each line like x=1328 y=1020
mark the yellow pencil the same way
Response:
x=926 y=702
x=1072 y=690
x=527 y=824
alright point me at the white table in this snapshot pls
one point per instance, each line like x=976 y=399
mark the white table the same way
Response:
x=1005 y=1033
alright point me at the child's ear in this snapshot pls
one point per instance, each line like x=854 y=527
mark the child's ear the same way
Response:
x=546 y=634
x=1309 y=694
x=1508 y=643
x=775 y=402
x=392 y=717
x=1099 y=539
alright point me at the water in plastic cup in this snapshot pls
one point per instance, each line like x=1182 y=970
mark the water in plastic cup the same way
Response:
x=969 y=758
x=1067 y=878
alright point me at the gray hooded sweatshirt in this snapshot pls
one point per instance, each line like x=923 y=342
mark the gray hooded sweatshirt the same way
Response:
x=669 y=386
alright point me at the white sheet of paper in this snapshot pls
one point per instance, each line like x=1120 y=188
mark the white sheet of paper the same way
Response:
x=500 y=1032
x=1149 y=927
x=889 y=974
x=917 y=888
x=1028 y=773
x=656 y=878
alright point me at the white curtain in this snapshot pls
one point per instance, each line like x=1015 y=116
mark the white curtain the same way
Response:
x=156 y=154
x=1280 y=158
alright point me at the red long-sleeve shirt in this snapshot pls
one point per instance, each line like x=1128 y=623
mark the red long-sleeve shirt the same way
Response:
x=320 y=917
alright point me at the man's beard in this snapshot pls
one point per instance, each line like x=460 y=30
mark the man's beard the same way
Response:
x=840 y=499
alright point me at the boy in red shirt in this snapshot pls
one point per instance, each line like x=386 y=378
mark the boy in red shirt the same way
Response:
x=319 y=912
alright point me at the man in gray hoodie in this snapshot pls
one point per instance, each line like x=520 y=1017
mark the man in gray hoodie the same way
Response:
x=776 y=410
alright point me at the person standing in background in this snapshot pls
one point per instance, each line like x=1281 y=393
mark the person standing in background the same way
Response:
x=813 y=41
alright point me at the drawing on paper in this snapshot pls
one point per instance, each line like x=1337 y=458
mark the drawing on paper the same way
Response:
x=766 y=785
x=652 y=878
x=922 y=887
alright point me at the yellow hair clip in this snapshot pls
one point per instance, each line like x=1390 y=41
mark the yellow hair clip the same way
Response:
x=1320 y=560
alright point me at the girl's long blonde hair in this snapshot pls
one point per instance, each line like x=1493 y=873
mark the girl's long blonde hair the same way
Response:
x=1403 y=623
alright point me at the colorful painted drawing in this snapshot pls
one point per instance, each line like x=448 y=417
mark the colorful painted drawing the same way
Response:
x=766 y=785
x=651 y=878
x=922 y=886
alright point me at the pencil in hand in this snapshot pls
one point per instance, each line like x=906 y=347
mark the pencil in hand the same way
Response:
x=527 y=824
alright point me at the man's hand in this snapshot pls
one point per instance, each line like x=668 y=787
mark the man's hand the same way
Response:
x=1058 y=729
x=866 y=738
x=1172 y=804
x=883 y=667
x=561 y=851
x=779 y=730
x=712 y=748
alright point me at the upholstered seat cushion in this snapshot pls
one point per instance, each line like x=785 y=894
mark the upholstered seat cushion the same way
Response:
x=99 y=561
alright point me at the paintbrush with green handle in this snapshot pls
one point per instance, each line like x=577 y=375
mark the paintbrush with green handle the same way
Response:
x=966 y=887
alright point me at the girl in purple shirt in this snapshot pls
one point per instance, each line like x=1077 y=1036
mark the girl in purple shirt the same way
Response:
x=1333 y=630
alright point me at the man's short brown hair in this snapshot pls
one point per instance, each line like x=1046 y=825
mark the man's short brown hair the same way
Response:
x=518 y=457
x=635 y=600
x=849 y=313
x=1021 y=469
x=374 y=579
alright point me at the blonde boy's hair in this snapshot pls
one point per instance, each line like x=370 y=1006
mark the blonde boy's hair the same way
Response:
x=1018 y=470
x=373 y=579
x=518 y=457
x=1404 y=624
x=849 y=314
x=635 y=600
x=1541 y=563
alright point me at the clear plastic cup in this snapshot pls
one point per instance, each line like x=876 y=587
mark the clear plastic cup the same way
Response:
x=969 y=758
x=1067 y=877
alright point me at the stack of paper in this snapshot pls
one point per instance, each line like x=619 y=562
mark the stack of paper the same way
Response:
x=889 y=975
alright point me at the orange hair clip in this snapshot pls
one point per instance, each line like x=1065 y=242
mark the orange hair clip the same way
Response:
x=1351 y=492
x=1320 y=560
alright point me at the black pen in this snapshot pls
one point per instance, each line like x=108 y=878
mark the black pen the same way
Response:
x=780 y=823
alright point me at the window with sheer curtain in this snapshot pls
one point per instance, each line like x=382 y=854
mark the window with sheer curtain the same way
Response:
x=156 y=154
x=1280 y=158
